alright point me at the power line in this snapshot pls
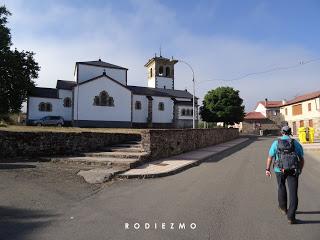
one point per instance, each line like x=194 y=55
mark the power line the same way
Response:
x=275 y=69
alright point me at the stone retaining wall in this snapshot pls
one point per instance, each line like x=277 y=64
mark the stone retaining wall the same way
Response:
x=35 y=144
x=169 y=142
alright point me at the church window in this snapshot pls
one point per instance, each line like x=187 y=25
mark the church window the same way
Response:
x=67 y=102
x=161 y=106
x=183 y=112
x=45 y=107
x=48 y=107
x=151 y=72
x=42 y=107
x=103 y=99
x=138 y=105
x=167 y=72
x=160 y=70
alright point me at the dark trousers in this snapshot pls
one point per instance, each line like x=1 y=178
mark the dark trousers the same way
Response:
x=292 y=180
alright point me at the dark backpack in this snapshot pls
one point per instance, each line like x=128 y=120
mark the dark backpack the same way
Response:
x=287 y=157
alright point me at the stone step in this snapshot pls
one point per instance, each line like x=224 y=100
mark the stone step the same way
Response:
x=128 y=145
x=124 y=149
x=125 y=155
x=98 y=161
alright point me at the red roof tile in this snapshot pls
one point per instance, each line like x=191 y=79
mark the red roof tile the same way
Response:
x=254 y=115
x=271 y=104
x=304 y=97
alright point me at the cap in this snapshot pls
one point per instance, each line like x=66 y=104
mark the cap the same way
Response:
x=286 y=130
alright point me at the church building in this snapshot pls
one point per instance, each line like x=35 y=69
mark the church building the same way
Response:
x=99 y=96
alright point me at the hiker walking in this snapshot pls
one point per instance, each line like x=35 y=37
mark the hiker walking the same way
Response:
x=288 y=163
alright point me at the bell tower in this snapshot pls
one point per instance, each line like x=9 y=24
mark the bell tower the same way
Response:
x=161 y=72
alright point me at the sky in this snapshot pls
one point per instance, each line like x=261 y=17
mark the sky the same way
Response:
x=222 y=40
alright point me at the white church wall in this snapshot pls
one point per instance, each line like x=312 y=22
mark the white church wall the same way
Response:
x=33 y=107
x=86 y=72
x=165 y=116
x=140 y=115
x=84 y=109
x=187 y=107
x=151 y=83
x=66 y=112
x=164 y=82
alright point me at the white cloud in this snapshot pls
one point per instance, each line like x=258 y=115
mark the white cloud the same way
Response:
x=62 y=34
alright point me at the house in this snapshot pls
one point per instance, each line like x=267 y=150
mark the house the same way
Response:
x=266 y=117
x=99 y=96
x=303 y=111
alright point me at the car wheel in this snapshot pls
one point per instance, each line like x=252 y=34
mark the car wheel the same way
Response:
x=59 y=125
x=39 y=124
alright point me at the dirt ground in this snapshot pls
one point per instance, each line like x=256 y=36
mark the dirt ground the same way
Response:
x=42 y=185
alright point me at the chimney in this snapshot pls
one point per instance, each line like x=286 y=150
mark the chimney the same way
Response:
x=284 y=101
x=266 y=102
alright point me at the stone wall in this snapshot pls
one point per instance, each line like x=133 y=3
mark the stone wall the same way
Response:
x=35 y=144
x=169 y=142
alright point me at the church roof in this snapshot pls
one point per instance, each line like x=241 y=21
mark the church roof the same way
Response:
x=159 y=92
x=66 y=85
x=44 y=92
x=101 y=63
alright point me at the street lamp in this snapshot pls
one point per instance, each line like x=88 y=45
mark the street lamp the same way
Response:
x=194 y=93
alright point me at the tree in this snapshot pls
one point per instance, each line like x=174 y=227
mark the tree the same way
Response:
x=17 y=70
x=222 y=104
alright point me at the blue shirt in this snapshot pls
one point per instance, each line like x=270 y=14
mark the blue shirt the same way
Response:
x=274 y=147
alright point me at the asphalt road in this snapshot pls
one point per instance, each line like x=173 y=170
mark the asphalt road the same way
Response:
x=228 y=198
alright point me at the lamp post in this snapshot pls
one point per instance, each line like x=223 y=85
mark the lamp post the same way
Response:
x=194 y=93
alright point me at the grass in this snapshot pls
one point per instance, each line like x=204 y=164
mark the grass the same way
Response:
x=16 y=128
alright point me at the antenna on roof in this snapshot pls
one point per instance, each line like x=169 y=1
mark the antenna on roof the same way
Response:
x=160 y=51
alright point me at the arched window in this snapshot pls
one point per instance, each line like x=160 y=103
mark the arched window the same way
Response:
x=42 y=107
x=191 y=112
x=161 y=106
x=103 y=99
x=150 y=72
x=167 y=72
x=183 y=112
x=160 y=70
x=48 y=107
x=67 y=102
x=188 y=112
x=138 y=105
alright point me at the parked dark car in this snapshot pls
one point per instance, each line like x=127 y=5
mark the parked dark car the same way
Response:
x=49 y=121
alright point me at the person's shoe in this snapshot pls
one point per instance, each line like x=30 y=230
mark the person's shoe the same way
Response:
x=292 y=221
x=283 y=211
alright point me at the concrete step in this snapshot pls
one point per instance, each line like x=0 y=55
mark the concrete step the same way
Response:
x=98 y=161
x=124 y=155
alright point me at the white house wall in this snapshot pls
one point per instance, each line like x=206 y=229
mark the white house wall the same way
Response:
x=84 y=109
x=165 y=116
x=66 y=112
x=260 y=108
x=164 y=82
x=86 y=72
x=140 y=115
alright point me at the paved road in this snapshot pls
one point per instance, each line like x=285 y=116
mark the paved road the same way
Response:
x=229 y=198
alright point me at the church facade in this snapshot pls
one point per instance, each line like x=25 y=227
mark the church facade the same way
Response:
x=99 y=96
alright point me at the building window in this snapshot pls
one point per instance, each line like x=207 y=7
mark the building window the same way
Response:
x=161 y=106
x=160 y=70
x=309 y=107
x=138 y=105
x=297 y=109
x=151 y=73
x=286 y=111
x=67 y=102
x=167 y=72
x=103 y=99
x=45 y=107
x=188 y=112
x=183 y=112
